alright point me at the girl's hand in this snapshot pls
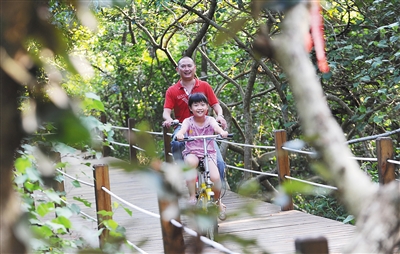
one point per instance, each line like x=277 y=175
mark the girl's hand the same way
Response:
x=224 y=134
x=179 y=136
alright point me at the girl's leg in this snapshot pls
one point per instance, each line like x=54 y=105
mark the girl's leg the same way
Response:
x=192 y=161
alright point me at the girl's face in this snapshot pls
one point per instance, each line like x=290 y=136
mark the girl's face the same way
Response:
x=199 y=109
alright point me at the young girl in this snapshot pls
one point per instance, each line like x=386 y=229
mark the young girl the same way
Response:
x=196 y=125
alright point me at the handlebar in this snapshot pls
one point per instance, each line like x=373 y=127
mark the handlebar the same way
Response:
x=175 y=122
x=218 y=136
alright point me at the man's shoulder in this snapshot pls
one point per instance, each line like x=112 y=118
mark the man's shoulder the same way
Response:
x=175 y=86
x=203 y=83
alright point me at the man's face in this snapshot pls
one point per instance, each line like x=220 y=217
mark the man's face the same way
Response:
x=186 y=69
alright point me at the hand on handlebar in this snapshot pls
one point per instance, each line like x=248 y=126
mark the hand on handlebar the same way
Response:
x=179 y=137
x=222 y=121
x=170 y=122
x=224 y=134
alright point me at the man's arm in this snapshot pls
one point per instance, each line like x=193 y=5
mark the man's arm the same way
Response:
x=167 y=117
x=220 y=115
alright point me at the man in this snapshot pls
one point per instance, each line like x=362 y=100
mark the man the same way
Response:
x=176 y=99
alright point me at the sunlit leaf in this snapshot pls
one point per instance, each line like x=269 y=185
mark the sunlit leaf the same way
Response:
x=44 y=208
x=233 y=27
x=22 y=163
x=84 y=201
x=64 y=211
x=76 y=184
x=65 y=222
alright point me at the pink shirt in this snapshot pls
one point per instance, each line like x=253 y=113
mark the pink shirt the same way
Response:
x=196 y=146
x=176 y=98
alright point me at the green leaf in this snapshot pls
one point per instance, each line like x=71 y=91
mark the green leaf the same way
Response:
x=21 y=164
x=105 y=213
x=349 y=219
x=20 y=179
x=232 y=28
x=44 y=208
x=42 y=231
x=53 y=196
x=64 y=211
x=33 y=174
x=115 y=205
x=76 y=184
x=65 y=222
x=84 y=201
x=111 y=224
x=63 y=149
x=75 y=208
x=57 y=227
x=128 y=211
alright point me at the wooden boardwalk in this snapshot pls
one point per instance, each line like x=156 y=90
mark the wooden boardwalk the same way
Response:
x=274 y=231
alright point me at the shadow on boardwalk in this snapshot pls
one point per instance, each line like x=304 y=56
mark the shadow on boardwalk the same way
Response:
x=275 y=231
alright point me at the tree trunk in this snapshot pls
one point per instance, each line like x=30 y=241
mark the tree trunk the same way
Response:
x=10 y=138
x=248 y=133
x=376 y=233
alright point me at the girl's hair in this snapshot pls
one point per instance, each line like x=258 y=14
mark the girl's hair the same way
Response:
x=197 y=97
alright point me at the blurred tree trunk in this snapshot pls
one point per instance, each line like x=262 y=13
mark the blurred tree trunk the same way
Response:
x=16 y=21
x=377 y=210
x=10 y=138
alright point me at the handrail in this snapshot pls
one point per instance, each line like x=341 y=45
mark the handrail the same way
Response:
x=75 y=179
x=312 y=183
x=252 y=171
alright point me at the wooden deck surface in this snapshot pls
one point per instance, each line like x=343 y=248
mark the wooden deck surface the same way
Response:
x=274 y=231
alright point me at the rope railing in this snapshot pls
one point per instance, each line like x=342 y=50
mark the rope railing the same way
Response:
x=298 y=151
x=394 y=162
x=131 y=205
x=373 y=137
x=246 y=145
x=75 y=179
x=137 y=130
x=312 y=183
x=252 y=171
x=118 y=143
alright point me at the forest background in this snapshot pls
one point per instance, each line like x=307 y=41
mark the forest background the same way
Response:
x=125 y=57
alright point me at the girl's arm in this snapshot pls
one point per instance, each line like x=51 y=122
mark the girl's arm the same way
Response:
x=217 y=128
x=184 y=127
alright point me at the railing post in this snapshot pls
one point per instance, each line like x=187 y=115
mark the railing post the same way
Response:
x=384 y=150
x=282 y=158
x=131 y=139
x=58 y=186
x=316 y=245
x=167 y=145
x=106 y=149
x=168 y=206
x=103 y=199
x=172 y=235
